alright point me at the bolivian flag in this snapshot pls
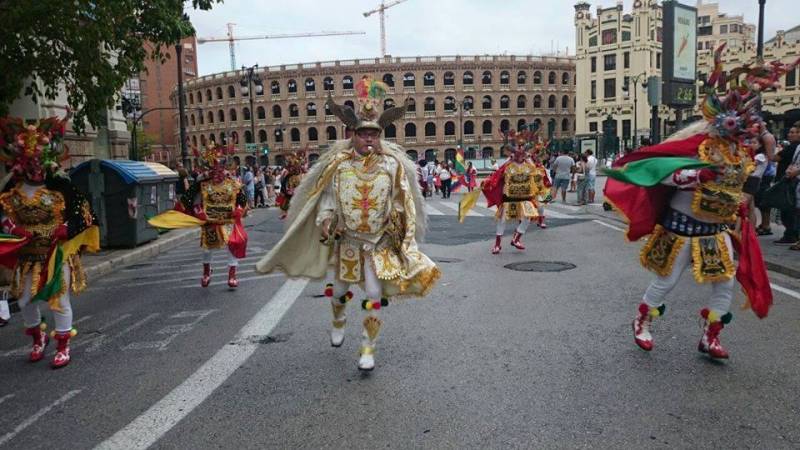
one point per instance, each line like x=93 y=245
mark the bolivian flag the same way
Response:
x=52 y=284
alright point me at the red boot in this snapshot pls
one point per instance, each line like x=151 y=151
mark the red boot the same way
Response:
x=540 y=222
x=40 y=340
x=62 y=357
x=709 y=343
x=516 y=242
x=204 y=282
x=641 y=325
x=233 y=283
x=497 y=247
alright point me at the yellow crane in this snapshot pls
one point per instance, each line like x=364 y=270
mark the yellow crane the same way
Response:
x=230 y=39
x=381 y=12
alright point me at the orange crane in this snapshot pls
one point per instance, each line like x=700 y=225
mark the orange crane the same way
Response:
x=381 y=12
x=230 y=39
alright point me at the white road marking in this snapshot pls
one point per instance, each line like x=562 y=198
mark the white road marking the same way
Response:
x=97 y=340
x=608 y=225
x=454 y=207
x=219 y=283
x=5 y=397
x=786 y=291
x=573 y=208
x=431 y=211
x=172 y=331
x=32 y=419
x=125 y=331
x=149 y=427
x=556 y=215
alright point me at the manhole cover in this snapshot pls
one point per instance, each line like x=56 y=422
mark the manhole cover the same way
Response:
x=446 y=260
x=540 y=266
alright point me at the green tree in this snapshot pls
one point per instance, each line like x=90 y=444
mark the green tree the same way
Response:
x=144 y=143
x=87 y=48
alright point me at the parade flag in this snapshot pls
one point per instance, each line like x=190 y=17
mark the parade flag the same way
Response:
x=467 y=203
x=461 y=168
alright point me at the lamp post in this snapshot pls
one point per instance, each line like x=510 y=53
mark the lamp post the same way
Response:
x=251 y=77
x=181 y=107
x=635 y=80
x=137 y=117
x=760 y=48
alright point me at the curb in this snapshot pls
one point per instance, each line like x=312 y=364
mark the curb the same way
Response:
x=162 y=244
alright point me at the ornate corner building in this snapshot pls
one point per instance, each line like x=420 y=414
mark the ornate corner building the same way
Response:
x=469 y=98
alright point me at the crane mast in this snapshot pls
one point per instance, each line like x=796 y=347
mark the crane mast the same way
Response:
x=381 y=10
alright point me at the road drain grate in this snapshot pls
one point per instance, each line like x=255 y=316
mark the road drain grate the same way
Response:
x=540 y=266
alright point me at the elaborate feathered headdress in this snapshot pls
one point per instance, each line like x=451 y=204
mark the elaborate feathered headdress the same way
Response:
x=369 y=96
x=41 y=142
x=297 y=162
x=524 y=141
x=213 y=156
x=736 y=112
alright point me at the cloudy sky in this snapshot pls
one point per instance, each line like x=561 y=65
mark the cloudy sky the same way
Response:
x=415 y=27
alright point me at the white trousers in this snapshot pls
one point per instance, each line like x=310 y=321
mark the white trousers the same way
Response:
x=31 y=314
x=208 y=254
x=721 y=291
x=372 y=286
x=521 y=228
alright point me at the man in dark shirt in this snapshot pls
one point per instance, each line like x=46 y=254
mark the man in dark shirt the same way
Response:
x=788 y=216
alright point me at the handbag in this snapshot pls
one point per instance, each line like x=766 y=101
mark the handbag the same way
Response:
x=780 y=195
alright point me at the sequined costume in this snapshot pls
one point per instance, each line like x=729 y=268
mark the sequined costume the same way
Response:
x=47 y=222
x=686 y=195
x=361 y=211
x=296 y=167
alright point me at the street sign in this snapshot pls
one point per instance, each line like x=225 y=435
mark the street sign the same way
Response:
x=251 y=147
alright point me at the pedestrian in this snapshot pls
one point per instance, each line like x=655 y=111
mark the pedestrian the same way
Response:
x=765 y=227
x=248 y=180
x=763 y=149
x=182 y=185
x=276 y=185
x=573 y=181
x=445 y=177
x=785 y=159
x=580 y=174
x=430 y=173
x=591 y=175
x=422 y=176
x=471 y=177
x=437 y=182
x=259 y=197
x=562 y=173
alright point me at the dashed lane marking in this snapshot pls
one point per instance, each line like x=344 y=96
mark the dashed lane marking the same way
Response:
x=431 y=211
x=5 y=397
x=783 y=290
x=608 y=225
x=32 y=419
x=454 y=207
x=149 y=427
x=139 y=324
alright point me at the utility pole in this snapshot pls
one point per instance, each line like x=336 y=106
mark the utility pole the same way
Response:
x=760 y=48
x=182 y=108
x=247 y=82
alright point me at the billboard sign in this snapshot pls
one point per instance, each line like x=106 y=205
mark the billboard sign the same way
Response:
x=679 y=54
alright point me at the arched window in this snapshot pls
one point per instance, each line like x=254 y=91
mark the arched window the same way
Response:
x=504 y=102
x=412 y=155
x=210 y=117
x=221 y=115
x=327 y=84
x=248 y=137
x=469 y=127
x=388 y=103
x=430 y=155
x=429 y=79
x=311 y=86
x=449 y=104
x=294 y=111
x=504 y=125
x=328 y=111
x=202 y=118
x=261 y=113
x=537 y=77
x=231 y=91
x=505 y=77
x=565 y=125
x=194 y=141
x=203 y=141
x=430 y=129
x=412 y=105
x=275 y=87
x=276 y=111
x=280 y=160
x=388 y=79
x=449 y=128
x=522 y=77
x=199 y=97
x=191 y=102
x=551 y=101
x=192 y=119
x=521 y=102
x=347 y=82
x=330 y=132
x=246 y=113
x=292 y=86
x=565 y=78
x=469 y=103
x=430 y=104
x=219 y=93
x=487 y=77
x=390 y=131
x=234 y=137
x=467 y=79
x=537 y=124
x=450 y=155
x=487 y=127
x=551 y=127
x=449 y=79
x=537 y=101
x=350 y=104
x=312 y=134
x=278 y=135
x=486 y=104
x=232 y=115
x=409 y=80
x=410 y=130
x=469 y=153
x=212 y=137
x=551 y=78
x=294 y=135
x=565 y=101
x=262 y=136
x=521 y=124
x=311 y=110
x=487 y=152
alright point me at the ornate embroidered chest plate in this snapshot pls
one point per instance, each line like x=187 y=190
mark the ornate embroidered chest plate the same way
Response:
x=519 y=181
x=363 y=198
x=719 y=200
x=219 y=200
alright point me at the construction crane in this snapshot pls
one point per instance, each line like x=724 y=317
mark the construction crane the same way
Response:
x=381 y=12
x=230 y=39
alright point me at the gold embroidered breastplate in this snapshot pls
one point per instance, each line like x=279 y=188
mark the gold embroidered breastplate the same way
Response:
x=219 y=199
x=363 y=196
x=519 y=181
x=718 y=200
x=40 y=215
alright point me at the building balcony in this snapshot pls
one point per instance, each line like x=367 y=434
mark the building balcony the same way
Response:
x=487 y=137
x=392 y=140
x=275 y=97
x=311 y=95
x=294 y=120
x=277 y=121
x=390 y=90
x=411 y=140
x=292 y=96
x=487 y=112
x=505 y=112
x=450 y=88
x=468 y=88
x=312 y=119
x=348 y=92
x=330 y=118
x=429 y=89
x=295 y=145
x=449 y=139
x=409 y=90
x=505 y=87
x=430 y=139
x=449 y=112
x=410 y=114
x=429 y=114
x=487 y=88
x=469 y=138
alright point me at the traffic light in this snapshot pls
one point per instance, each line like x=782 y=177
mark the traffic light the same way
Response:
x=265 y=149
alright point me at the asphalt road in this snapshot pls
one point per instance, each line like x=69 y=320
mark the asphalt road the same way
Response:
x=492 y=358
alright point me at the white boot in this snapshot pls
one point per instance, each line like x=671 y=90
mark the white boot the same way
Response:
x=338 y=306
x=372 y=327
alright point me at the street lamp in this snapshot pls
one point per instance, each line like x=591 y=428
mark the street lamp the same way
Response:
x=135 y=117
x=463 y=109
x=636 y=80
x=760 y=48
x=247 y=81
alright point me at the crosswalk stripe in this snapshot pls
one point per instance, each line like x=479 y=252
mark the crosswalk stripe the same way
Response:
x=454 y=207
x=431 y=211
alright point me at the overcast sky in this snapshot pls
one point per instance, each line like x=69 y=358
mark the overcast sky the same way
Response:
x=415 y=27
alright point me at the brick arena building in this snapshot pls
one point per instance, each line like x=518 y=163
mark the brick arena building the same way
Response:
x=473 y=98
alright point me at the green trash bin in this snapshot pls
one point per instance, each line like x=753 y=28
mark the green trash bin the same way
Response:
x=124 y=195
